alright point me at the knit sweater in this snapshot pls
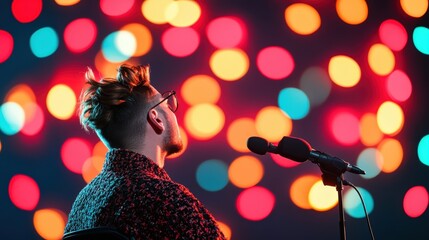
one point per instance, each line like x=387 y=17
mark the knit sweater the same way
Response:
x=137 y=197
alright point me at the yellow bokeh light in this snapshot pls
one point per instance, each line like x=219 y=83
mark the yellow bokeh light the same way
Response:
x=185 y=144
x=300 y=189
x=200 y=89
x=66 y=2
x=226 y=230
x=344 y=71
x=381 y=59
x=238 y=133
x=390 y=118
x=369 y=132
x=98 y=162
x=302 y=18
x=204 y=120
x=154 y=10
x=89 y=170
x=245 y=171
x=229 y=64
x=106 y=68
x=352 y=11
x=143 y=38
x=183 y=13
x=321 y=197
x=273 y=124
x=49 y=223
x=415 y=8
x=393 y=154
x=24 y=96
x=61 y=101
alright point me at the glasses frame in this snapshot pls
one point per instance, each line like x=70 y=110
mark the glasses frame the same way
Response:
x=170 y=94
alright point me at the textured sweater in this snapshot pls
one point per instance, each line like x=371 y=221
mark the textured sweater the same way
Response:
x=137 y=197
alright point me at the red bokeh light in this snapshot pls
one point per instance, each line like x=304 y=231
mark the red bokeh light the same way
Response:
x=275 y=62
x=6 y=46
x=393 y=34
x=33 y=125
x=416 y=201
x=180 y=42
x=80 y=34
x=26 y=11
x=24 y=192
x=399 y=86
x=283 y=162
x=116 y=8
x=225 y=32
x=255 y=203
x=345 y=128
x=74 y=153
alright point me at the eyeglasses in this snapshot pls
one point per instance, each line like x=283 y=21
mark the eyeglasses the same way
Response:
x=171 y=99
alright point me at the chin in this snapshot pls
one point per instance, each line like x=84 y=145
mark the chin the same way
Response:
x=174 y=147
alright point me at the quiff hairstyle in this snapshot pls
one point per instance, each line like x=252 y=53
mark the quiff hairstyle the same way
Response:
x=110 y=104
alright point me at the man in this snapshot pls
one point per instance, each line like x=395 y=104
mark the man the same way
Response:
x=133 y=193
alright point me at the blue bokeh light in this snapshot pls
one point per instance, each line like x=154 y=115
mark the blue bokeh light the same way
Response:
x=212 y=175
x=44 y=42
x=294 y=102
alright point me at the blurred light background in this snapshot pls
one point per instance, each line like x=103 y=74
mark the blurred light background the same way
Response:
x=349 y=76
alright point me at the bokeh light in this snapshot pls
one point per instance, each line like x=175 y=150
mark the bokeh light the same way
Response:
x=183 y=13
x=381 y=59
x=370 y=133
x=80 y=35
x=352 y=11
x=61 y=101
x=245 y=171
x=155 y=10
x=302 y=18
x=300 y=189
x=399 y=86
x=116 y=8
x=225 y=32
x=89 y=170
x=143 y=36
x=322 y=198
x=353 y=205
x=34 y=120
x=99 y=150
x=275 y=62
x=119 y=46
x=423 y=150
x=393 y=154
x=26 y=11
x=414 y=8
x=67 y=2
x=6 y=47
x=390 y=118
x=24 y=192
x=421 y=38
x=180 y=42
x=345 y=128
x=200 y=89
x=229 y=64
x=294 y=102
x=255 y=203
x=44 y=42
x=393 y=34
x=416 y=201
x=49 y=223
x=344 y=71
x=371 y=160
x=283 y=162
x=238 y=133
x=12 y=118
x=74 y=153
x=203 y=121
x=272 y=123
x=212 y=175
x=316 y=84
x=226 y=230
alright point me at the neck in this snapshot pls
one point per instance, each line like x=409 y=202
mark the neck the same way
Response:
x=155 y=154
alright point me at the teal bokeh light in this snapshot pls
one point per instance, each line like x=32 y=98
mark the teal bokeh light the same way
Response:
x=353 y=205
x=117 y=45
x=421 y=39
x=294 y=102
x=423 y=150
x=212 y=175
x=371 y=161
x=44 y=42
x=12 y=118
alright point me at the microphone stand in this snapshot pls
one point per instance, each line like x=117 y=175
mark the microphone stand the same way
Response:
x=333 y=176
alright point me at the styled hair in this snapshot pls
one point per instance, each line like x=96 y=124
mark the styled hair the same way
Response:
x=111 y=100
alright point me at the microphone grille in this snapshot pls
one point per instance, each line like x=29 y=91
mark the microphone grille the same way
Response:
x=257 y=145
x=294 y=148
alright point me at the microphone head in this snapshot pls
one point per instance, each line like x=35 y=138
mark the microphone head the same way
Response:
x=257 y=145
x=295 y=149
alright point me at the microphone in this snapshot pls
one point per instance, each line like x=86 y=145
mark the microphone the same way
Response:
x=300 y=150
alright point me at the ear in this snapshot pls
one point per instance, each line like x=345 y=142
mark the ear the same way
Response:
x=155 y=121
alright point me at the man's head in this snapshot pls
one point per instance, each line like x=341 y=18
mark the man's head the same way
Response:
x=127 y=110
